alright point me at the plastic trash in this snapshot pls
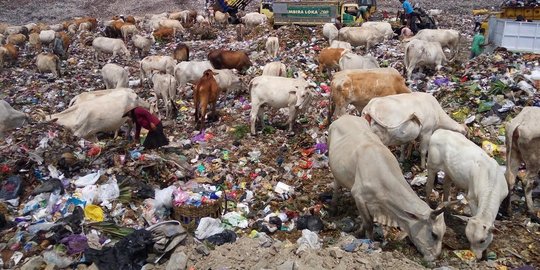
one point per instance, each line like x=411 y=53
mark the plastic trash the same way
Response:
x=490 y=148
x=108 y=191
x=235 y=219
x=51 y=257
x=164 y=197
x=419 y=180
x=76 y=243
x=465 y=255
x=93 y=213
x=11 y=188
x=88 y=179
x=309 y=240
x=227 y=236
x=312 y=223
x=366 y=244
x=284 y=190
x=207 y=227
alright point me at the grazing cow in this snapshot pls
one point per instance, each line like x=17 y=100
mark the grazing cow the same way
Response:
x=330 y=32
x=128 y=30
x=143 y=44
x=174 y=24
x=471 y=169
x=110 y=45
x=399 y=119
x=33 y=41
x=16 y=39
x=221 y=18
x=361 y=36
x=159 y=63
x=9 y=52
x=272 y=46
x=181 y=52
x=278 y=92
x=420 y=53
x=114 y=76
x=384 y=28
x=354 y=61
x=253 y=19
x=47 y=62
x=164 y=34
x=10 y=118
x=100 y=114
x=275 y=69
x=358 y=87
x=190 y=71
x=222 y=59
x=448 y=38
x=206 y=93
x=329 y=58
x=86 y=96
x=523 y=146
x=362 y=164
x=165 y=87
x=341 y=44
x=47 y=36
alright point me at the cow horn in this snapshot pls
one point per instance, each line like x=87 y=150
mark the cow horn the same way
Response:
x=440 y=210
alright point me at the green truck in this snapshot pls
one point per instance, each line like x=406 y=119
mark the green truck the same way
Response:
x=305 y=12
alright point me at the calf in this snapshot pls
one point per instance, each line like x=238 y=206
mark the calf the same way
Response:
x=275 y=69
x=165 y=87
x=206 y=93
x=181 y=52
x=221 y=18
x=110 y=45
x=448 y=38
x=420 y=53
x=523 y=146
x=10 y=118
x=278 y=92
x=330 y=32
x=358 y=87
x=362 y=164
x=114 y=76
x=399 y=119
x=164 y=34
x=143 y=44
x=354 y=61
x=470 y=169
x=329 y=58
x=160 y=63
x=272 y=46
x=222 y=59
x=47 y=62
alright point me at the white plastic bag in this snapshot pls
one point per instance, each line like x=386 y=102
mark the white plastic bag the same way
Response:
x=88 y=179
x=164 y=197
x=207 y=227
x=309 y=240
x=108 y=191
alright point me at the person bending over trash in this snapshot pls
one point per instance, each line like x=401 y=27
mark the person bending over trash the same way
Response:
x=478 y=43
x=409 y=15
x=143 y=118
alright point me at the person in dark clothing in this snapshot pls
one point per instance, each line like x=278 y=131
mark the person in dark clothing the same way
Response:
x=143 y=118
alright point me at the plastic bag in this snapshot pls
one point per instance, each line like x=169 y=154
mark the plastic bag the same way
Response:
x=235 y=219
x=51 y=257
x=88 y=179
x=164 y=197
x=309 y=240
x=11 y=188
x=93 y=213
x=207 y=227
x=108 y=191
x=88 y=193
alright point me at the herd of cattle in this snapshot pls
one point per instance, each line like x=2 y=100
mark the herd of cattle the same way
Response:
x=359 y=156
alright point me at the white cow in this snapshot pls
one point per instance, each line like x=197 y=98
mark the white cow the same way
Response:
x=361 y=36
x=330 y=32
x=278 y=92
x=190 y=71
x=354 y=61
x=143 y=44
x=165 y=87
x=399 y=119
x=160 y=63
x=10 y=118
x=253 y=19
x=221 y=18
x=227 y=80
x=48 y=62
x=275 y=69
x=420 y=53
x=101 y=114
x=523 y=146
x=384 y=28
x=114 y=76
x=272 y=46
x=471 y=169
x=341 y=44
x=362 y=164
x=46 y=36
x=86 y=96
x=110 y=45
x=448 y=38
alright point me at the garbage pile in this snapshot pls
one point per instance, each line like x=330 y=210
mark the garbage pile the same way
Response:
x=73 y=203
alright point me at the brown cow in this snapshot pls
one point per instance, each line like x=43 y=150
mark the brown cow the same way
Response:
x=16 y=39
x=8 y=51
x=164 y=33
x=329 y=58
x=206 y=92
x=222 y=59
x=358 y=87
x=181 y=53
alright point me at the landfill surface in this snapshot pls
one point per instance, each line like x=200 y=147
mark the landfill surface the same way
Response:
x=274 y=188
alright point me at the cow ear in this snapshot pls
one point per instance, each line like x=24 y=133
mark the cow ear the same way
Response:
x=464 y=218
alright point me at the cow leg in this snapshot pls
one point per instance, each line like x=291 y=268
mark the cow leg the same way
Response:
x=532 y=175
x=335 y=197
x=431 y=179
x=113 y=54
x=292 y=116
x=424 y=144
x=253 y=117
x=513 y=163
x=402 y=152
x=367 y=222
x=446 y=187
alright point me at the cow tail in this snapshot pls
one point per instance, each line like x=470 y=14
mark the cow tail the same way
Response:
x=331 y=108
x=406 y=59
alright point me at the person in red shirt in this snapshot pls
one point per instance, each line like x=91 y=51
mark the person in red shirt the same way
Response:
x=143 y=118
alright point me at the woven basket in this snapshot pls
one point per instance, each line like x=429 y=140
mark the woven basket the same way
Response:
x=189 y=213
